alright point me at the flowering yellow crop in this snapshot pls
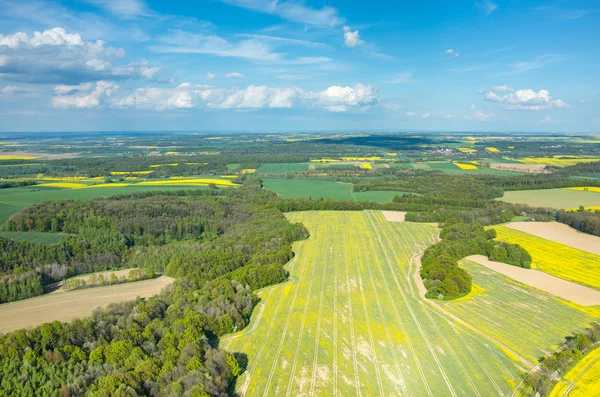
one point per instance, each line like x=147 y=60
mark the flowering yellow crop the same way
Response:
x=373 y=158
x=172 y=153
x=467 y=150
x=110 y=185
x=325 y=161
x=3 y=157
x=592 y=208
x=492 y=149
x=585 y=189
x=65 y=185
x=585 y=377
x=164 y=165
x=62 y=178
x=131 y=172
x=229 y=176
x=464 y=166
x=249 y=171
x=366 y=166
x=556 y=259
x=558 y=161
x=219 y=182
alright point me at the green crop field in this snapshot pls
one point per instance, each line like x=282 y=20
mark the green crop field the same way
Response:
x=554 y=198
x=316 y=189
x=281 y=168
x=351 y=322
x=34 y=237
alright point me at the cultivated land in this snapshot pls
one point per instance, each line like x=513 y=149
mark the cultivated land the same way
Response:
x=351 y=322
x=560 y=233
x=564 y=289
x=316 y=189
x=556 y=259
x=582 y=380
x=69 y=305
x=553 y=198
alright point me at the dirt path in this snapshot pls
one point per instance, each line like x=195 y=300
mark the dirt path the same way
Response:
x=67 y=306
x=564 y=289
x=560 y=233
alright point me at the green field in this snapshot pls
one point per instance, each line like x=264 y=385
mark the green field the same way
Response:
x=15 y=199
x=351 y=322
x=553 y=198
x=34 y=237
x=281 y=168
x=317 y=189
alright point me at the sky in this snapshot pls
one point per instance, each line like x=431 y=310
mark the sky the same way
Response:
x=300 y=66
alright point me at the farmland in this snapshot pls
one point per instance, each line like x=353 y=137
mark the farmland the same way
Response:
x=560 y=233
x=69 y=305
x=351 y=322
x=582 y=380
x=551 y=257
x=316 y=189
x=34 y=237
x=281 y=168
x=553 y=198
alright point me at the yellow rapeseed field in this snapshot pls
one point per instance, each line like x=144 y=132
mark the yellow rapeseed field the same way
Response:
x=325 y=161
x=249 y=171
x=164 y=165
x=172 y=153
x=229 y=176
x=464 y=166
x=110 y=185
x=592 y=208
x=204 y=181
x=585 y=189
x=558 y=161
x=373 y=158
x=583 y=379
x=467 y=150
x=66 y=185
x=492 y=149
x=62 y=178
x=131 y=172
x=4 y=157
x=366 y=166
x=556 y=259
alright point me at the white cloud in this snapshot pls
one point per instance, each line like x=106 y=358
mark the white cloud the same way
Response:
x=402 y=78
x=210 y=76
x=84 y=98
x=337 y=108
x=425 y=115
x=479 y=115
x=285 y=40
x=525 y=99
x=503 y=88
x=487 y=6
x=409 y=114
x=450 y=51
x=124 y=9
x=235 y=75
x=336 y=96
x=351 y=39
x=63 y=89
x=14 y=90
x=57 y=56
x=293 y=11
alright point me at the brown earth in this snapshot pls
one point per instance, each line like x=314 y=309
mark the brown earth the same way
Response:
x=69 y=305
x=560 y=233
x=531 y=168
x=394 y=216
x=553 y=285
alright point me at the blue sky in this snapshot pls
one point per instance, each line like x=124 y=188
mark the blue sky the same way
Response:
x=254 y=65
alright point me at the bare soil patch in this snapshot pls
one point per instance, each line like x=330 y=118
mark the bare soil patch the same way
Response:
x=394 y=216
x=560 y=233
x=531 y=168
x=553 y=285
x=69 y=305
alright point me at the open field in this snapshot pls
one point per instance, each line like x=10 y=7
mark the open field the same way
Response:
x=529 y=168
x=559 y=161
x=34 y=237
x=70 y=305
x=560 y=233
x=281 y=168
x=556 y=259
x=529 y=321
x=316 y=189
x=351 y=322
x=553 y=198
x=564 y=289
x=582 y=380
x=394 y=216
x=20 y=155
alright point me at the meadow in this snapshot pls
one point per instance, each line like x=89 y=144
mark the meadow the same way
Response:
x=351 y=322
x=316 y=189
x=281 y=168
x=553 y=198
x=555 y=258
x=34 y=237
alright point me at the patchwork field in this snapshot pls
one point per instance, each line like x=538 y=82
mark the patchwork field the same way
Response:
x=351 y=322
x=553 y=198
x=316 y=189
x=69 y=305
x=582 y=380
x=560 y=233
x=556 y=259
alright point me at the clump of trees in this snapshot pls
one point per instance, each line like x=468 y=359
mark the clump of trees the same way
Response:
x=98 y=280
x=441 y=274
x=540 y=382
x=582 y=220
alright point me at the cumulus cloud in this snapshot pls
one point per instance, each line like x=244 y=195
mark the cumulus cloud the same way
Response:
x=351 y=39
x=235 y=75
x=57 y=56
x=524 y=99
x=81 y=97
x=17 y=90
x=210 y=76
x=334 y=97
x=479 y=115
x=503 y=88
x=450 y=51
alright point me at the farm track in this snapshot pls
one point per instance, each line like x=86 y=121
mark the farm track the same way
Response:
x=353 y=323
